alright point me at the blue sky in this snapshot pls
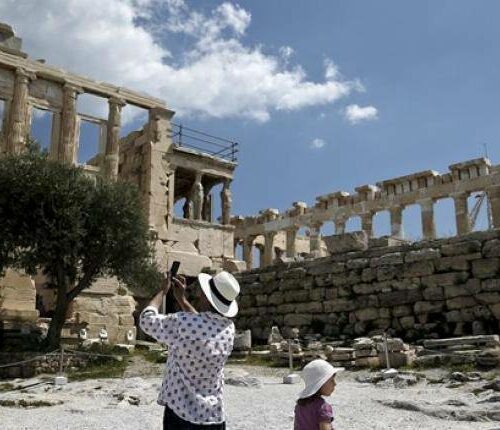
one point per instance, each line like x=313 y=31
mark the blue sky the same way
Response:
x=429 y=68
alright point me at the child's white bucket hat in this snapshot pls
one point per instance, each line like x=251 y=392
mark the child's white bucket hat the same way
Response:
x=221 y=291
x=315 y=374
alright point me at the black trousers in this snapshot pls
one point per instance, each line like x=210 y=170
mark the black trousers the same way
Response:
x=172 y=422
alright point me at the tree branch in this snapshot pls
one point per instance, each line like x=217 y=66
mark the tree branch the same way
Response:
x=84 y=282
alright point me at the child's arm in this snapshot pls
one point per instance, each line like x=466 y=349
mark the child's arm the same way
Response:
x=325 y=425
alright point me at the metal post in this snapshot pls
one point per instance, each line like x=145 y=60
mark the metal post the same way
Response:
x=290 y=355
x=388 y=365
x=61 y=360
x=180 y=135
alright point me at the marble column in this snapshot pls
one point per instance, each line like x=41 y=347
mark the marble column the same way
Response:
x=111 y=156
x=462 y=213
x=291 y=238
x=269 y=248
x=262 y=260
x=396 y=214
x=340 y=225
x=367 y=223
x=427 y=215
x=207 y=207
x=227 y=202
x=493 y=193
x=197 y=196
x=315 y=237
x=18 y=120
x=67 y=148
x=248 y=251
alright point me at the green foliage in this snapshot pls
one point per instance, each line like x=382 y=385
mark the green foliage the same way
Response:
x=56 y=218
x=100 y=369
x=73 y=227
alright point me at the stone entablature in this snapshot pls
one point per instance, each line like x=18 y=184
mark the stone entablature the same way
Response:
x=439 y=288
x=393 y=195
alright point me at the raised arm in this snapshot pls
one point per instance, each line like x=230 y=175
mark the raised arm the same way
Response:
x=179 y=285
x=161 y=327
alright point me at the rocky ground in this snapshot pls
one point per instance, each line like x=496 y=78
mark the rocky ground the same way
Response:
x=256 y=399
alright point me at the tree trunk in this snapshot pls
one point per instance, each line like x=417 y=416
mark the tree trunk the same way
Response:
x=57 y=322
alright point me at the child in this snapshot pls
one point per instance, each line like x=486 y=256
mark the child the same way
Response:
x=312 y=412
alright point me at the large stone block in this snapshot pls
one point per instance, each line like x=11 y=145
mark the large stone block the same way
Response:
x=491 y=248
x=444 y=279
x=293 y=320
x=358 y=263
x=459 y=263
x=276 y=298
x=470 y=288
x=399 y=297
x=488 y=298
x=367 y=314
x=422 y=254
x=459 y=248
x=428 y=307
x=460 y=302
x=418 y=268
x=490 y=285
x=297 y=297
x=340 y=243
x=389 y=259
x=486 y=268
x=433 y=293
x=312 y=307
x=339 y=305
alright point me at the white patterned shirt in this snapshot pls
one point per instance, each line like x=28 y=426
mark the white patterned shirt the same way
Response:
x=198 y=347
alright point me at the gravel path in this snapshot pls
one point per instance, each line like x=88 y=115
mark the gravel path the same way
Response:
x=109 y=404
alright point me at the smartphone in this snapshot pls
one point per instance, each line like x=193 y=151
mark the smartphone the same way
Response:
x=174 y=268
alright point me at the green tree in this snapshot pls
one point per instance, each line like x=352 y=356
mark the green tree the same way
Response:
x=74 y=228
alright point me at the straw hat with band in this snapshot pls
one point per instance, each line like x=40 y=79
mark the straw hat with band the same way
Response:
x=315 y=374
x=221 y=291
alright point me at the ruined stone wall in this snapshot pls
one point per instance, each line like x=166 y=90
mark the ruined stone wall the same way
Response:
x=442 y=287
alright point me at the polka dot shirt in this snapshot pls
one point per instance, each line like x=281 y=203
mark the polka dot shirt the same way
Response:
x=199 y=345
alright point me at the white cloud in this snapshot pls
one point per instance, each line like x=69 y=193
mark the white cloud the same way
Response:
x=131 y=43
x=355 y=114
x=317 y=143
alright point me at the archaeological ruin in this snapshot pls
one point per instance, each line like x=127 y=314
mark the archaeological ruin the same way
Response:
x=348 y=284
x=169 y=163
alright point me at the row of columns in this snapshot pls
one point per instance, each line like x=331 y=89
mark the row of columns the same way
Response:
x=17 y=124
x=198 y=205
x=396 y=217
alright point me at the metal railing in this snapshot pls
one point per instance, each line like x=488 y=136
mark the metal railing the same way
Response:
x=183 y=136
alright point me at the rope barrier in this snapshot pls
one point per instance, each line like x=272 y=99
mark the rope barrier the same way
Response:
x=17 y=363
x=57 y=352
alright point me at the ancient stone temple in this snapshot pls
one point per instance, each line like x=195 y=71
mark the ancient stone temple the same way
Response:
x=160 y=158
x=354 y=284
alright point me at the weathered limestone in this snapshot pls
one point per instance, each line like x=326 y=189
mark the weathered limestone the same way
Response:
x=227 y=202
x=197 y=196
x=291 y=238
x=396 y=214
x=428 y=226
x=247 y=252
x=17 y=126
x=163 y=172
x=68 y=142
x=428 y=289
x=113 y=138
x=461 y=213
x=393 y=195
x=315 y=238
x=17 y=298
x=269 y=248
x=494 y=199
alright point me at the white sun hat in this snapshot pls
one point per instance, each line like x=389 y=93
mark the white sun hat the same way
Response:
x=221 y=291
x=315 y=374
